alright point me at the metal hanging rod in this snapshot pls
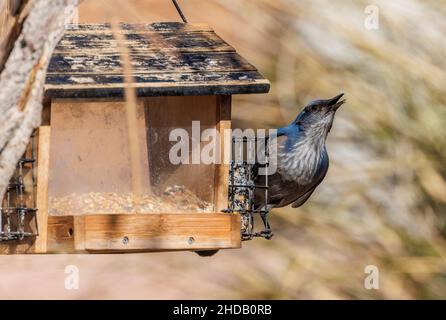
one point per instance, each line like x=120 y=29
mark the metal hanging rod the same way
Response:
x=180 y=12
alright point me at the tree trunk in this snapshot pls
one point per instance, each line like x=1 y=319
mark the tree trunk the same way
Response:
x=29 y=32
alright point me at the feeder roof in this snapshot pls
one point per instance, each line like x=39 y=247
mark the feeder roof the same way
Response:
x=166 y=59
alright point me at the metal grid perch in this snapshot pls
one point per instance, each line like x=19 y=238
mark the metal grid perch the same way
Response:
x=14 y=209
x=242 y=189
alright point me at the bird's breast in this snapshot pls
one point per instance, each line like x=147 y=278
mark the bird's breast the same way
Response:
x=301 y=163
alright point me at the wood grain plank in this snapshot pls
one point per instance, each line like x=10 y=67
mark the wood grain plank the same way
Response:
x=161 y=232
x=116 y=92
x=10 y=24
x=26 y=245
x=43 y=163
x=60 y=235
x=222 y=169
x=135 y=233
x=110 y=86
x=159 y=27
x=79 y=233
x=113 y=93
x=149 y=63
x=99 y=80
x=142 y=43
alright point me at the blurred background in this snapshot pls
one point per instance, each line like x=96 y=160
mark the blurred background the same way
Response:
x=383 y=202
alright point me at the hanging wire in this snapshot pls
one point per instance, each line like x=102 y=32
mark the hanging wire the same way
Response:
x=180 y=12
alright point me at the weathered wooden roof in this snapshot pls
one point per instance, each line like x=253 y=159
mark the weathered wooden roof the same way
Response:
x=167 y=59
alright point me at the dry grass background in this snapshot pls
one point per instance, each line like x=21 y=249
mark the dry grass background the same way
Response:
x=384 y=199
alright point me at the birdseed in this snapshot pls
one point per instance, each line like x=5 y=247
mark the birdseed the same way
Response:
x=173 y=199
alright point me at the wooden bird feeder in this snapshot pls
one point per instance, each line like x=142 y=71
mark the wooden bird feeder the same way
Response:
x=89 y=184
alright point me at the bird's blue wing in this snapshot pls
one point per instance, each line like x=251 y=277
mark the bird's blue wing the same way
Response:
x=300 y=201
x=281 y=131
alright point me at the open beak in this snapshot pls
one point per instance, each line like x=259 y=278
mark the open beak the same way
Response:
x=334 y=102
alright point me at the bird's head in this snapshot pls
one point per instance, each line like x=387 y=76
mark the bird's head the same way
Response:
x=317 y=117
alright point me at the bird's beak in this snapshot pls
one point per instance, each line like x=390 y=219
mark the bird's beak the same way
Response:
x=334 y=102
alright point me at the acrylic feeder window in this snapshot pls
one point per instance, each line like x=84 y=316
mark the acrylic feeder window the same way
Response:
x=91 y=168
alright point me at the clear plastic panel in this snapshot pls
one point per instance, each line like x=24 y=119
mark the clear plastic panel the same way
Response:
x=90 y=160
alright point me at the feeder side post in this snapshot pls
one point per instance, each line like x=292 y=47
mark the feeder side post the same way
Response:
x=222 y=168
x=43 y=164
x=79 y=233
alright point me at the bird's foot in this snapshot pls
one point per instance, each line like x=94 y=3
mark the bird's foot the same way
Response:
x=267 y=234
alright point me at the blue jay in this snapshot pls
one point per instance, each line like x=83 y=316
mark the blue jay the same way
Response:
x=302 y=158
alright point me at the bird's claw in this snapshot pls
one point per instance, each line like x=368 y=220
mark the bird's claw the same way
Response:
x=267 y=234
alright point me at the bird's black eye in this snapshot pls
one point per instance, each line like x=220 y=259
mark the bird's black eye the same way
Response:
x=299 y=122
